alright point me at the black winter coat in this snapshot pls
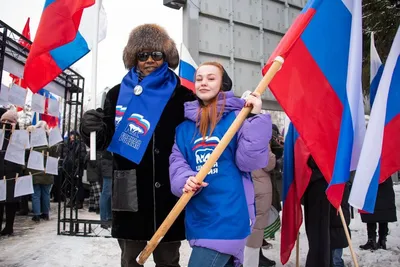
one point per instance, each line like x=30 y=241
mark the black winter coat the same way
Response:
x=385 y=206
x=154 y=197
x=7 y=168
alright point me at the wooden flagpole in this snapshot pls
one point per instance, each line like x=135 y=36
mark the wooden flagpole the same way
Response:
x=184 y=199
x=346 y=231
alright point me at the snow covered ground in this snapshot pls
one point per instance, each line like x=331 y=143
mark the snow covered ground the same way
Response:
x=39 y=245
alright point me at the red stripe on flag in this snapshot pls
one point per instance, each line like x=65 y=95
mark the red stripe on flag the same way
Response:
x=292 y=219
x=40 y=71
x=390 y=157
x=307 y=97
x=188 y=84
x=292 y=216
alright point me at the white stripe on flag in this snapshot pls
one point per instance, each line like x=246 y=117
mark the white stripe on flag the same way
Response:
x=375 y=60
x=353 y=85
x=86 y=27
x=185 y=56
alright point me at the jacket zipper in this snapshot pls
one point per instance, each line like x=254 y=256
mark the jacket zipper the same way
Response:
x=154 y=182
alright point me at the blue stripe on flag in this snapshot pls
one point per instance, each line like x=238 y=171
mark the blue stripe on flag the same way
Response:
x=68 y=54
x=48 y=2
x=329 y=42
x=370 y=198
x=186 y=71
x=374 y=85
x=393 y=106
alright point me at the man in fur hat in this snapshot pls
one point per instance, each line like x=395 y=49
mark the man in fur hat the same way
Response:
x=138 y=125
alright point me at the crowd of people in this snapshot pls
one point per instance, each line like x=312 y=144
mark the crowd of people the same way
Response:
x=153 y=135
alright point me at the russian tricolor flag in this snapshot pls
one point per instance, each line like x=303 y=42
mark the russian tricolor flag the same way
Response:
x=187 y=68
x=65 y=35
x=380 y=155
x=296 y=177
x=376 y=69
x=319 y=86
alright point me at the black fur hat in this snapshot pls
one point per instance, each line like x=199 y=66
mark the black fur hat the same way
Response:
x=152 y=37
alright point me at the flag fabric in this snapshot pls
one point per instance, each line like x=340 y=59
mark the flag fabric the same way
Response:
x=380 y=155
x=26 y=32
x=187 y=68
x=296 y=177
x=51 y=120
x=325 y=43
x=64 y=35
x=376 y=69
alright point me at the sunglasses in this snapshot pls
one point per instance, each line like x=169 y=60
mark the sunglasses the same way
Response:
x=156 y=55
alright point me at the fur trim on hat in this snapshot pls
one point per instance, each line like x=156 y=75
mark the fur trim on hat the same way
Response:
x=154 y=38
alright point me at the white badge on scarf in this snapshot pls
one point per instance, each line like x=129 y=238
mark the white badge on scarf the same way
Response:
x=138 y=90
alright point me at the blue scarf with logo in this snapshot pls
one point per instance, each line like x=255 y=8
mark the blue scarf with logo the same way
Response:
x=136 y=116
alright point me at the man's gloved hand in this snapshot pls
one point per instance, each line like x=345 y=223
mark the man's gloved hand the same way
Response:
x=92 y=121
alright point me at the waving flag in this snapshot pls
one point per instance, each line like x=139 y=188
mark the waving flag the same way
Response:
x=187 y=68
x=63 y=37
x=319 y=86
x=376 y=69
x=26 y=32
x=380 y=155
x=296 y=176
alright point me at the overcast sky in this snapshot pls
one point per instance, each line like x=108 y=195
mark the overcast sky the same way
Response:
x=122 y=15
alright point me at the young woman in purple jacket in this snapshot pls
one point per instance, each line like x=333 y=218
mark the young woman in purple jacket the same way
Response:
x=221 y=214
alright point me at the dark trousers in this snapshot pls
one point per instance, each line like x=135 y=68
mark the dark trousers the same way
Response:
x=165 y=255
x=11 y=209
x=383 y=230
x=317 y=223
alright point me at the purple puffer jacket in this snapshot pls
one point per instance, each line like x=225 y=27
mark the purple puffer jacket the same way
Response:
x=251 y=154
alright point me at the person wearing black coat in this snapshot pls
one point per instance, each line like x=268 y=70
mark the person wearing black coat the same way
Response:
x=384 y=213
x=9 y=170
x=325 y=233
x=147 y=185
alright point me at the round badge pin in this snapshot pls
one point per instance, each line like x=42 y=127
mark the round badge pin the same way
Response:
x=138 y=90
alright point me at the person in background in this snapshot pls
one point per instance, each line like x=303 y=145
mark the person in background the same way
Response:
x=253 y=255
x=42 y=182
x=94 y=178
x=325 y=232
x=384 y=213
x=9 y=170
x=274 y=225
x=105 y=198
x=73 y=163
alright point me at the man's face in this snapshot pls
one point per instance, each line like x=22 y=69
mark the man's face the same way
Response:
x=72 y=137
x=148 y=61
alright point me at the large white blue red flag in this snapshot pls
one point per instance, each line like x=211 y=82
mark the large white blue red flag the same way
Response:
x=319 y=86
x=65 y=35
x=380 y=155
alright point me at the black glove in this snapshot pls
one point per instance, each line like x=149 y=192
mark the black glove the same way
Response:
x=92 y=121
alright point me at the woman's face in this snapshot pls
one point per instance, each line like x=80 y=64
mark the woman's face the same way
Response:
x=148 y=61
x=208 y=82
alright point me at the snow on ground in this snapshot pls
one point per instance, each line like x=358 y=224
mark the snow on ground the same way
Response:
x=39 y=245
